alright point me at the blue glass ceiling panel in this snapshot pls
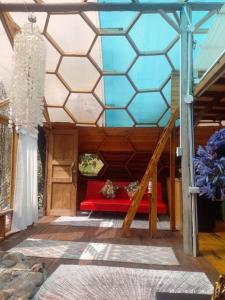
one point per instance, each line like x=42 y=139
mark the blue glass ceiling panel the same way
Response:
x=118 y=118
x=118 y=91
x=147 y=38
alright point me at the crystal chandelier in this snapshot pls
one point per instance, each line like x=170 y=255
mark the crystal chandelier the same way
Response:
x=2 y=91
x=27 y=89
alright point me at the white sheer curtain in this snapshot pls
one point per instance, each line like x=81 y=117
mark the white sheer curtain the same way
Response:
x=25 y=206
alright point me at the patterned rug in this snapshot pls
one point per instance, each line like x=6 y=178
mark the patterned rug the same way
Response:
x=97 y=251
x=71 y=282
x=91 y=221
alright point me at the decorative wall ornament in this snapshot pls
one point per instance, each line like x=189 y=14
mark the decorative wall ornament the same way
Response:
x=27 y=89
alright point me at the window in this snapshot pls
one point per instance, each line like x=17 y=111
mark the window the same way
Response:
x=90 y=164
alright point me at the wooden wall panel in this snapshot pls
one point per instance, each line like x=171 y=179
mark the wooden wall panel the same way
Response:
x=126 y=152
x=203 y=133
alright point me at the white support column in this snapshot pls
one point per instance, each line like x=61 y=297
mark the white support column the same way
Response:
x=187 y=134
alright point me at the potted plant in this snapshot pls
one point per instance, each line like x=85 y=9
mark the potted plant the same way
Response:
x=209 y=165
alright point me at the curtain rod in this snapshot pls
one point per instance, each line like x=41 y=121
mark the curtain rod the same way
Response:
x=93 y=6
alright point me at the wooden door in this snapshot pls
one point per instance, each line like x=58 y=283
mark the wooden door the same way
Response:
x=62 y=172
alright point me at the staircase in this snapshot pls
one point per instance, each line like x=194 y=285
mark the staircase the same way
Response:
x=150 y=174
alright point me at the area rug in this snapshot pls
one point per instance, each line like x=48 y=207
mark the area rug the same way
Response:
x=71 y=282
x=88 y=221
x=97 y=251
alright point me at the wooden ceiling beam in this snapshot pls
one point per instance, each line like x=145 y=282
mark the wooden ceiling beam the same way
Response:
x=9 y=25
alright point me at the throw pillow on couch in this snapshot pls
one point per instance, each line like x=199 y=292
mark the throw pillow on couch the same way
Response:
x=132 y=188
x=109 y=190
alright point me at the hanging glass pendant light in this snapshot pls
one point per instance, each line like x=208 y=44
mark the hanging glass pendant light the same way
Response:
x=27 y=89
x=2 y=91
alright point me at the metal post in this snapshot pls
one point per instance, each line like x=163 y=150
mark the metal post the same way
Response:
x=186 y=134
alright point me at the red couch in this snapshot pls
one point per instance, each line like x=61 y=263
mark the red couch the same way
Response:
x=94 y=201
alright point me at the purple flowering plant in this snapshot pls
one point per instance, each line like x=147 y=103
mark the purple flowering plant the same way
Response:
x=209 y=164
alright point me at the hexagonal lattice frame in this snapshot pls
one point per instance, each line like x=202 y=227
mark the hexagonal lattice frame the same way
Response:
x=174 y=23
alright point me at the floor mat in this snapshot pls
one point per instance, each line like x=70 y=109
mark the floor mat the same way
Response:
x=89 y=221
x=97 y=251
x=71 y=282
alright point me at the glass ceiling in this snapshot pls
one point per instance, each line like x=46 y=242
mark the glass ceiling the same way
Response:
x=110 y=68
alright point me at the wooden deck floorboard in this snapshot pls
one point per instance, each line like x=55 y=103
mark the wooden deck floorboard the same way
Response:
x=44 y=230
x=212 y=247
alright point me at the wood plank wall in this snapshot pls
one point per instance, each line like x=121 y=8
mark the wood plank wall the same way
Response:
x=126 y=151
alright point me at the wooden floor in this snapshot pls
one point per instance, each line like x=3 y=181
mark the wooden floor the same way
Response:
x=212 y=247
x=43 y=230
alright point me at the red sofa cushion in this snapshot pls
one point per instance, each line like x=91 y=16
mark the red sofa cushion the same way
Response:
x=95 y=201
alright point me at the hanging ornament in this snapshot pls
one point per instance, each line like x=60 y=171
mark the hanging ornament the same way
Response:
x=27 y=89
x=2 y=91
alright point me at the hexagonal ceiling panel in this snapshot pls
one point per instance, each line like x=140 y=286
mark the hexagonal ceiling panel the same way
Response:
x=150 y=72
x=119 y=20
x=118 y=118
x=58 y=115
x=52 y=57
x=174 y=54
x=166 y=90
x=117 y=53
x=22 y=17
x=117 y=91
x=73 y=35
x=164 y=120
x=147 y=107
x=79 y=73
x=84 y=107
x=147 y=37
x=55 y=91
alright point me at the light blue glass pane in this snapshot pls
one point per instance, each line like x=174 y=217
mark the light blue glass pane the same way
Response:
x=147 y=38
x=114 y=1
x=205 y=1
x=118 y=118
x=177 y=124
x=174 y=55
x=157 y=1
x=198 y=15
x=118 y=91
x=117 y=53
x=147 y=107
x=165 y=119
x=163 y=122
x=199 y=39
x=113 y=19
x=150 y=72
x=167 y=92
